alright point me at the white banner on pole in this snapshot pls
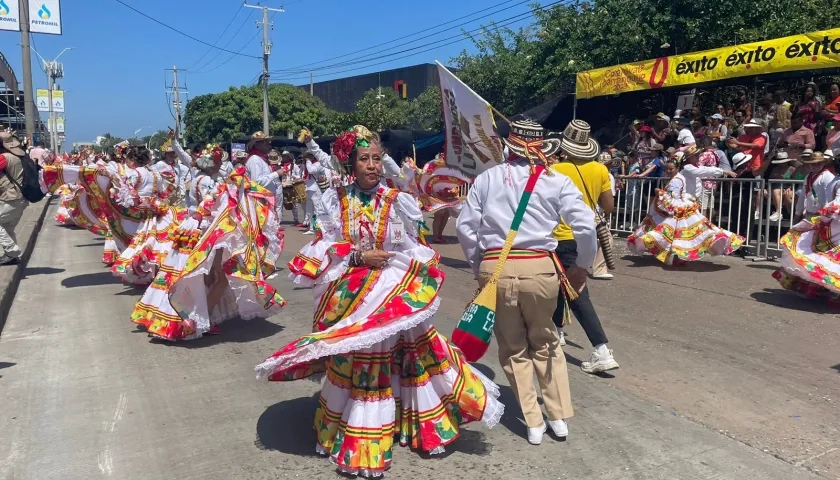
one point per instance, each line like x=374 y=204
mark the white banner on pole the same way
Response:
x=472 y=143
x=58 y=101
x=9 y=15
x=59 y=125
x=42 y=99
x=44 y=16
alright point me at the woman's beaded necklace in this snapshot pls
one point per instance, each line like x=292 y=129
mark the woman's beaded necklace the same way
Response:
x=365 y=218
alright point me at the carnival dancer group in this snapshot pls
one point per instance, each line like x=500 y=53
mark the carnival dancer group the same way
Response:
x=201 y=232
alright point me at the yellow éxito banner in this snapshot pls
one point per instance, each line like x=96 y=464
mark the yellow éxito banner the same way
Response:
x=810 y=51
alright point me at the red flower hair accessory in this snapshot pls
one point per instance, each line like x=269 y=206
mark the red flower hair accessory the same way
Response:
x=346 y=144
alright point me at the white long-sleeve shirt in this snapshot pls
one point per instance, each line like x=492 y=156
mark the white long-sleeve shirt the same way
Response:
x=821 y=192
x=693 y=172
x=258 y=170
x=494 y=197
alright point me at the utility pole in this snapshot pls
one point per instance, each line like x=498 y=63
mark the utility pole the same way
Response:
x=177 y=90
x=29 y=109
x=311 y=85
x=266 y=52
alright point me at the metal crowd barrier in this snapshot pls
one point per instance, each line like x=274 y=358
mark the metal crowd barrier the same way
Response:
x=759 y=210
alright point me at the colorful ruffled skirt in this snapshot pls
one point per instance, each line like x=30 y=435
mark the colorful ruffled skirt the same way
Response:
x=389 y=372
x=138 y=264
x=810 y=262
x=68 y=207
x=237 y=251
x=675 y=229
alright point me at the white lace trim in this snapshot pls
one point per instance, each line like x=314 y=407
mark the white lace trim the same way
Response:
x=360 y=341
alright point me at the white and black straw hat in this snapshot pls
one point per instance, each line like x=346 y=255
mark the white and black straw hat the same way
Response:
x=530 y=131
x=577 y=143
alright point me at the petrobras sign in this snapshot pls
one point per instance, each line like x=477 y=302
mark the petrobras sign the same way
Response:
x=44 y=16
x=9 y=15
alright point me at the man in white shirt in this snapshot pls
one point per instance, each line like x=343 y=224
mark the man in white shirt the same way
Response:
x=257 y=167
x=527 y=288
x=685 y=137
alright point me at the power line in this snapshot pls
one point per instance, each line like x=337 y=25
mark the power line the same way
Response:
x=305 y=68
x=178 y=31
x=241 y=25
x=247 y=44
x=241 y=6
x=504 y=23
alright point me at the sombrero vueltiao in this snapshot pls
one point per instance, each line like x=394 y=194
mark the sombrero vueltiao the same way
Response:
x=576 y=142
x=529 y=131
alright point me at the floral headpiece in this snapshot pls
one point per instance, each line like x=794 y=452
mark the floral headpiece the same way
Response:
x=211 y=155
x=346 y=144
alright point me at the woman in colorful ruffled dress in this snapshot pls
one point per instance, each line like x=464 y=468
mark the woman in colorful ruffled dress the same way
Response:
x=808 y=265
x=389 y=372
x=440 y=192
x=674 y=230
x=220 y=259
x=145 y=192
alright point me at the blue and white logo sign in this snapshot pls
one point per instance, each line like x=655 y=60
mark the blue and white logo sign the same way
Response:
x=44 y=16
x=9 y=15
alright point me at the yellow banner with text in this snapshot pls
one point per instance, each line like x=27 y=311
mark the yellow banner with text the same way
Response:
x=810 y=51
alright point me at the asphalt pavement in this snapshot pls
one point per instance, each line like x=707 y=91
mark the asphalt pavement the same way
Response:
x=723 y=377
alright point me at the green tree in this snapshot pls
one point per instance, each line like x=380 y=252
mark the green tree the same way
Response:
x=107 y=143
x=382 y=111
x=238 y=112
x=516 y=70
x=426 y=110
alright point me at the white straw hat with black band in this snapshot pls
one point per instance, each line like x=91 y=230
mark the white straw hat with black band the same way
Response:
x=577 y=143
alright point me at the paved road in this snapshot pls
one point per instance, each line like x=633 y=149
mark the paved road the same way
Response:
x=715 y=383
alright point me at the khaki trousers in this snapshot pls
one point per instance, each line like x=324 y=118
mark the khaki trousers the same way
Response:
x=528 y=339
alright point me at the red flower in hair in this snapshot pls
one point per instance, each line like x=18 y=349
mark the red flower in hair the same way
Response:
x=344 y=146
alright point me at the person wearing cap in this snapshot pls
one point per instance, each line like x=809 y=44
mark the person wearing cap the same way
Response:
x=592 y=180
x=808 y=265
x=717 y=130
x=527 y=290
x=675 y=231
x=12 y=203
x=685 y=137
x=753 y=143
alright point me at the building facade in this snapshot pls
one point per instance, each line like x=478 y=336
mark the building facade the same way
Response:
x=342 y=94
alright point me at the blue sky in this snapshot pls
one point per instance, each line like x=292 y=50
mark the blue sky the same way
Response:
x=115 y=79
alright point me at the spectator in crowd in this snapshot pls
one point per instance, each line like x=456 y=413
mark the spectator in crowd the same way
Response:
x=685 y=137
x=708 y=158
x=809 y=107
x=833 y=137
x=745 y=106
x=796 y=138
x=721 y=110
x=662 y=131
x=654 y=168
x=737 y=124
x=752 y=143
x=642 y=147
x=832 y=103
x=699 y=127
x=782 y=167
x=12 y=203
x=717 y=131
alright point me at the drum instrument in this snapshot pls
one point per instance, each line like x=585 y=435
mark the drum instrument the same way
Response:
x=294 y=193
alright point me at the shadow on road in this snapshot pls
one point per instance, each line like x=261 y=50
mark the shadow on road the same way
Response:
x=455 y=263
x=6 y=365
x=698 y=267
x=512 y=419
x=276 y=423
x=32 y=271
x=71 y=227
x=782 y=298
x=836 y=367
x=232 y=331
x=96 y=244
x=90 y=280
